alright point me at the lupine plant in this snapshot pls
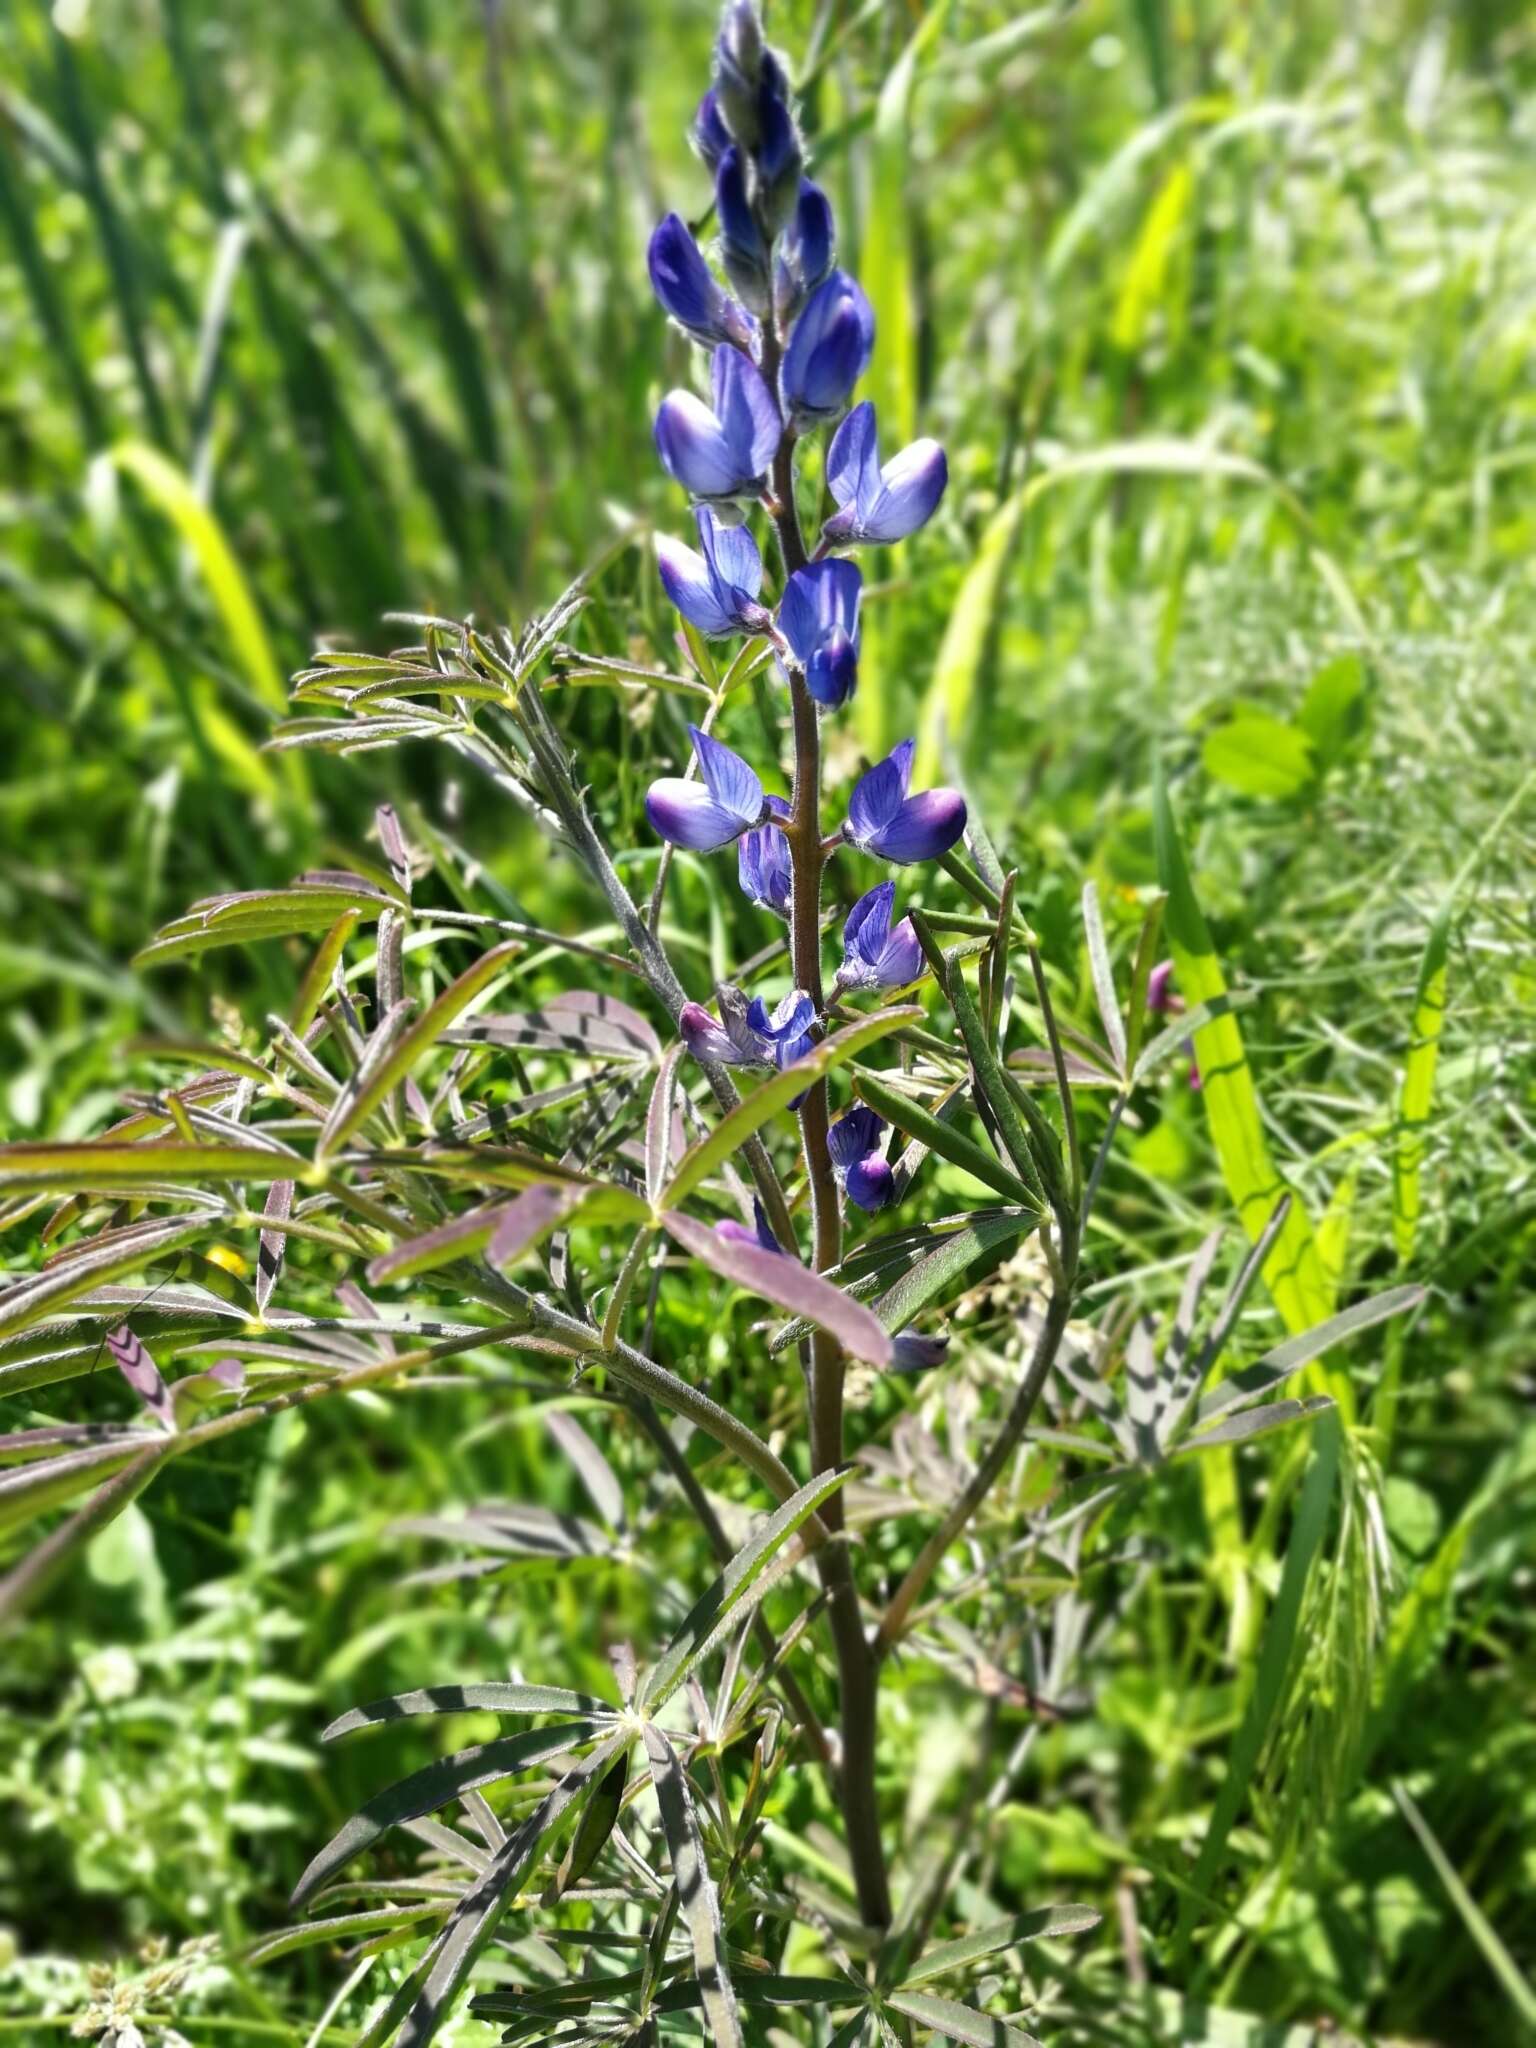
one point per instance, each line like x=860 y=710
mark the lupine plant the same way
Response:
x=540 y=1175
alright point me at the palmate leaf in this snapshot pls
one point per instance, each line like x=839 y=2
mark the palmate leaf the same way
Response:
x=426 y=1790
x=423 y=2000
x=88 y=1265
x=1288 y=1358
x=577 y=1022
x=726 y=1597
x=418 y=1040
x=698 y=1900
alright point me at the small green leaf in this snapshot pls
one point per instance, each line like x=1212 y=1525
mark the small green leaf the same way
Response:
x=1259 y=756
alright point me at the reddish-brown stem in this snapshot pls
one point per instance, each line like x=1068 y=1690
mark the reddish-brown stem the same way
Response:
x=857 y=1671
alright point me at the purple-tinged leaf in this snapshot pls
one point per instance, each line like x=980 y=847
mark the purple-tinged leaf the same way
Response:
x=461 y=1237
x=201 y=1390
x=269 y=1254
x=79 y=1268
x=664 y=1135
x=787 y=1283
x=530 y=1217
x=141 y=1373
x=396 y=852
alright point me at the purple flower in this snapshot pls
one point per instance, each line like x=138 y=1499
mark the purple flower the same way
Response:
x=749 y=1034
x=711 y=137
x=1163 y=1002
x=862 y=1169
x=911 y=1353
x=875 y=956
x=703 y=815
x=880 y=504
x=883 y=819
x=805 y=251
x=763 y=863
x=731 y=1042
x=715 y=591
x=1160 y=997
x=743 y=245
x=762 y=1237
x=686 y=290
x=720 y=453
x=786 y=1028
x=779 y=159
x=819 y=617
x=829 y=351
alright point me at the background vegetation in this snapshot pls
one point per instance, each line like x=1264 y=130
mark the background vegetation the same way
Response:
x=1227 y=317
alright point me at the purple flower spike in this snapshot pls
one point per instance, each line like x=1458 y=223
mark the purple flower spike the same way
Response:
x=763 y=863
x=720 y=453
x=717 y=590
x=829 y=351
x=875 y=956
x=727 y=801
x=762 y=1237
x=878 y=504
x=883 y=819
x=861 y=1167
x=819 y=617
x=786 y=1029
